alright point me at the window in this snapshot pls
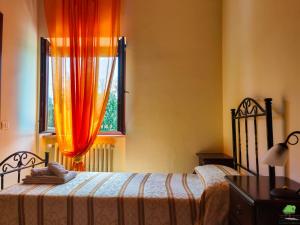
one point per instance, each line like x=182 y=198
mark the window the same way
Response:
x=113 y=122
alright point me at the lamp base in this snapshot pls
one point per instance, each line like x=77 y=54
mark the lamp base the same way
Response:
x=284 y=193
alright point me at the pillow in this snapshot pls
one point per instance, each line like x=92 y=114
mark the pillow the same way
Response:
x=212 y=174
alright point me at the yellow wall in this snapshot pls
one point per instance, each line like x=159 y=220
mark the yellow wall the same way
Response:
x=174 y=105
x=19 y=74
x=261 y=55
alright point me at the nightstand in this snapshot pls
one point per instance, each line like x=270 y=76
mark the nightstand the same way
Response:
x=251 y=203
x=214 y=158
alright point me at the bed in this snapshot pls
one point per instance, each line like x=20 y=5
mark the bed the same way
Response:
x=94 y=198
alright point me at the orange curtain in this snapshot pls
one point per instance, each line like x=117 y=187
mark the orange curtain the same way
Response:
x=83 y=38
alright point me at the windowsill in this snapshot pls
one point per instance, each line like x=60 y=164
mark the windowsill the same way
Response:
x=103 y=134
x=46 y=134
x=112 y=134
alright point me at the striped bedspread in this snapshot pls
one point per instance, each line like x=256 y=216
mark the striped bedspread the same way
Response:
x=121 y=199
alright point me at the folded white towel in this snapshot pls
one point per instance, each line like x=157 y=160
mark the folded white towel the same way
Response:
x=41 y=172
x=50 y=179
x=57 y=169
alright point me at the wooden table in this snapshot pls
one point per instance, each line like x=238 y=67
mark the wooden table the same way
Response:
x=214 y=158
x=251 y=203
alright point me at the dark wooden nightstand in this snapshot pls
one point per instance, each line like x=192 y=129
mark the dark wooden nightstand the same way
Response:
x=214 y=158
x=251 y=203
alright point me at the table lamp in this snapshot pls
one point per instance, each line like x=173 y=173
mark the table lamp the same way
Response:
x=277 y=156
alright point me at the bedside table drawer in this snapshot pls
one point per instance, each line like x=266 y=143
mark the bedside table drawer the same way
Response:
x=240 y=210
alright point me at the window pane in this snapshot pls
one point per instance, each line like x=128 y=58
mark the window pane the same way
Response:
x=50 y=113
x=110 y=121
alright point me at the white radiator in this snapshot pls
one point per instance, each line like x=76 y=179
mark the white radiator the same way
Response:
x=99 y=158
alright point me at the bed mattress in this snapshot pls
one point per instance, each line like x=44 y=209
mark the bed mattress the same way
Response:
x=94 y=198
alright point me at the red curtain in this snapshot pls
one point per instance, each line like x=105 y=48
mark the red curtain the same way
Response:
x=83 y=37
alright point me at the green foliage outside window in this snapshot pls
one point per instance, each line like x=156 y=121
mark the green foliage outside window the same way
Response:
x=110 y=121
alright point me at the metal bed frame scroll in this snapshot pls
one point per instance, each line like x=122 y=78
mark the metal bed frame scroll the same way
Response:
x=19 y=161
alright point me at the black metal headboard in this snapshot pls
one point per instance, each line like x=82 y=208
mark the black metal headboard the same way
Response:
x=19 y=161
x=249 y=108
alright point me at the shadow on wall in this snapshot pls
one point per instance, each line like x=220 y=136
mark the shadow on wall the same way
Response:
x=283 y=113
x=31 y=6
x=280 y=121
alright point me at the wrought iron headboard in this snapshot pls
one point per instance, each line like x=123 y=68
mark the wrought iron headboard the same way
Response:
x=19 y=161
x=249 y=108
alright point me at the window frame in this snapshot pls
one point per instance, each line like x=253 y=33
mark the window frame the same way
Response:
x=44 y=82
x=44 y=78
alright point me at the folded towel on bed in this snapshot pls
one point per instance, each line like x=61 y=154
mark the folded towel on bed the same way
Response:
x=41 y=172
x=55 y=173
x=57 y=169
x=50 y=179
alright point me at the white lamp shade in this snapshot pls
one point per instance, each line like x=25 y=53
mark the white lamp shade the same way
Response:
x=277 y=155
